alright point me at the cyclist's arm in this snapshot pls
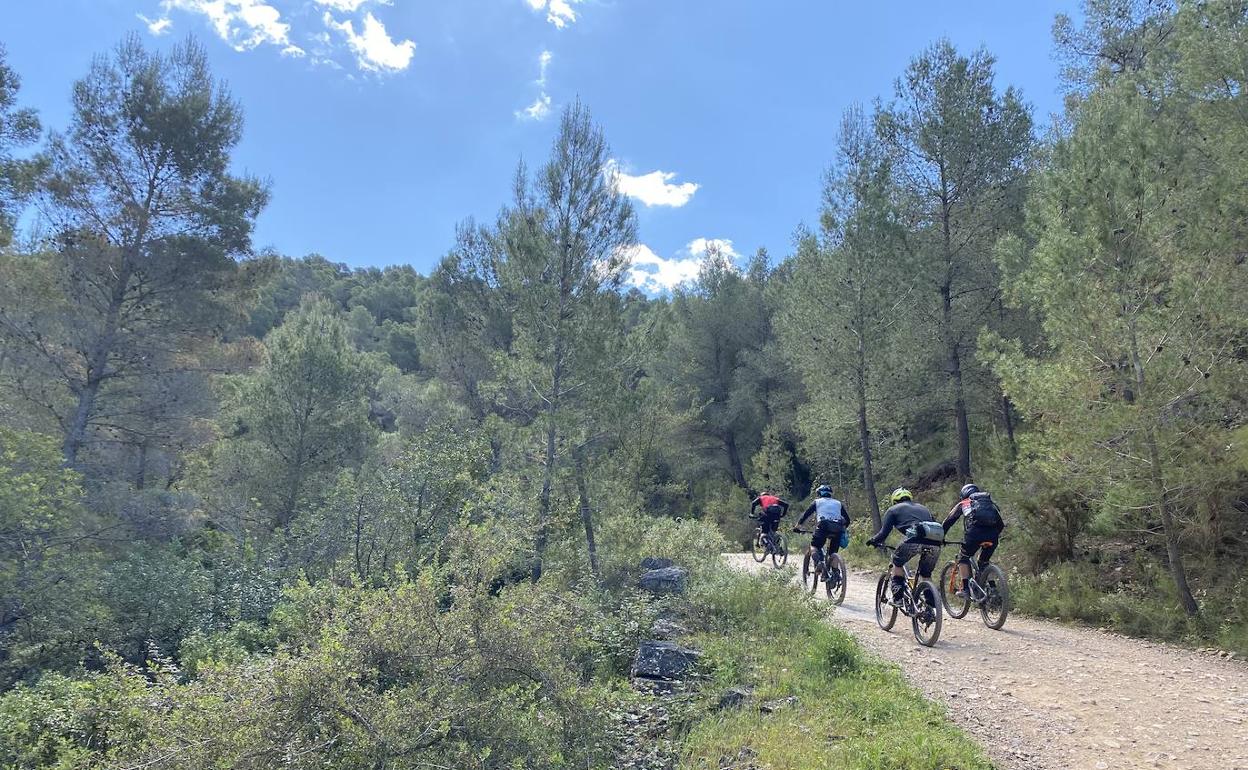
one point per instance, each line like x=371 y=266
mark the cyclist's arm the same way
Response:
x=809 y=512
x=754 y=504
x=953 y=517
x=845 y=513
x=886 y=527
x=784 y=508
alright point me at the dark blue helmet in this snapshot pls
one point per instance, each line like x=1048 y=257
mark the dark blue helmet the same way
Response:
x=824 y=491
x=968 y=490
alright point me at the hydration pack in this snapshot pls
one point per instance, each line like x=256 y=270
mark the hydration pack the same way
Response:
x=925 y=530
x=983 y=512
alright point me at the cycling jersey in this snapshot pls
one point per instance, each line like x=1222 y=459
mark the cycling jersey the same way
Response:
x=767 y=502
x=903 y=517
x=826 y=509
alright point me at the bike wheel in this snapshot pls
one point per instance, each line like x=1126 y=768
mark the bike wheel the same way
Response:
x=780 y=551
x=885 y=613
x=810 y=578
x=996 y=607
x=956 y=606
x=926 y=620
x=758 y=549
x=840 y=576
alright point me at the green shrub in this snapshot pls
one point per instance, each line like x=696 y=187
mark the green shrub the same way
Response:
x=625 y=539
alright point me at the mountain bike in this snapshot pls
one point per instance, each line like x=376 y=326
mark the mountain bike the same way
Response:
x=769 y=544
x=830 y=570
x=986 y=588
x=919 y=601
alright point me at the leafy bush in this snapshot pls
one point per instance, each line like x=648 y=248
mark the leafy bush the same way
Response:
x=624 y=540
x=393 y=677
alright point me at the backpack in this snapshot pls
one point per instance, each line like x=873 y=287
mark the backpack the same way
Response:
x=983 y=511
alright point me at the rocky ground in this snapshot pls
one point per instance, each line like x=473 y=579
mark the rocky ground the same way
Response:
x=1045 y=696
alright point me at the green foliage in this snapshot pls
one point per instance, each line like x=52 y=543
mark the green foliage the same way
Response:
x=627 y=539
x=850 y=711
x=306 y=410
x=18 y=128
x=396 y=676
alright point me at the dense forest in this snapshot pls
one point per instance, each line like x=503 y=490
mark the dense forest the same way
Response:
x=281 y=496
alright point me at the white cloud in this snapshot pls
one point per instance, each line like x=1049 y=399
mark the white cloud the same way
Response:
x=558 y=12
x=349 y=6
x=374 y=49
x=652 y=273
x=244 y=24
x=653 y=189
x=543 y=63
x=700 y=247
x=655 y=275
x=157 y=27
x=539 y=109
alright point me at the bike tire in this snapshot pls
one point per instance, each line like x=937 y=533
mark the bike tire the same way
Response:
x=885 y=613
x=996 y=608
x=780 y=554
x=927 y=619
x=810 y=578
x=837 y=593
x=758 y=549
x=956 y=606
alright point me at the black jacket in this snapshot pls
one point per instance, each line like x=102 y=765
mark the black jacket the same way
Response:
x=899 y=517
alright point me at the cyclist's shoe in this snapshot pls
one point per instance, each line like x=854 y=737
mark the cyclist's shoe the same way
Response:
x=895 y=592
x=962 y=593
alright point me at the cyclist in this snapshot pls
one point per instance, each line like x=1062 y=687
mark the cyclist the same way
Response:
x=831 y=519
x=923 y=537
x=774 y=509
x=981 y=530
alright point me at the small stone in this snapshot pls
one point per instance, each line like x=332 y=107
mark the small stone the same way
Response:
x=734 y=698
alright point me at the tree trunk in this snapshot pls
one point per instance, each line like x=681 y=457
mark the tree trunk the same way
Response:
x=541 y=536
x=587 y=518
x=1158 y=483
x=952 y=348
x=76 y=436
x=140 y=473
x=734 y=460
x=97 y=366
x=1007 y=411
x=864 y=437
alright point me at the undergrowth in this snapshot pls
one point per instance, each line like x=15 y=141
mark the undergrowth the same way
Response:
x=834 y=706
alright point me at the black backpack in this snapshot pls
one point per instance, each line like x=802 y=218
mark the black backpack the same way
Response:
x=983 y=511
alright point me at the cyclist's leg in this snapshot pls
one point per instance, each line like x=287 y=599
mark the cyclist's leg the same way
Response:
x=906 y=551
x=929 y=556
x=965 y=553
x=818 y=539
x=987 y=542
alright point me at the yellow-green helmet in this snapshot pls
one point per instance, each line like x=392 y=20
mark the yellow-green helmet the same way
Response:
x=900 y=494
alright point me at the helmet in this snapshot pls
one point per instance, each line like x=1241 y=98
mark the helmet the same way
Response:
x=967 y=491
x=900 y=494
x=824 y=491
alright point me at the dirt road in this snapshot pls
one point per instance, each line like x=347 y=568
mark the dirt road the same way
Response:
x=1044 y=696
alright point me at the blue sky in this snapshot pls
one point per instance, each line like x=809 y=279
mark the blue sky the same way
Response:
x=383 y=124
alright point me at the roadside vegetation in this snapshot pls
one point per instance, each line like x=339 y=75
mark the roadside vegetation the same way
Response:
x=818 y=700
x=261 y=509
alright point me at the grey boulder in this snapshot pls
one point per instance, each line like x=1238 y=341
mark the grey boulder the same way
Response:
x=667 y=580
x=664 y=660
